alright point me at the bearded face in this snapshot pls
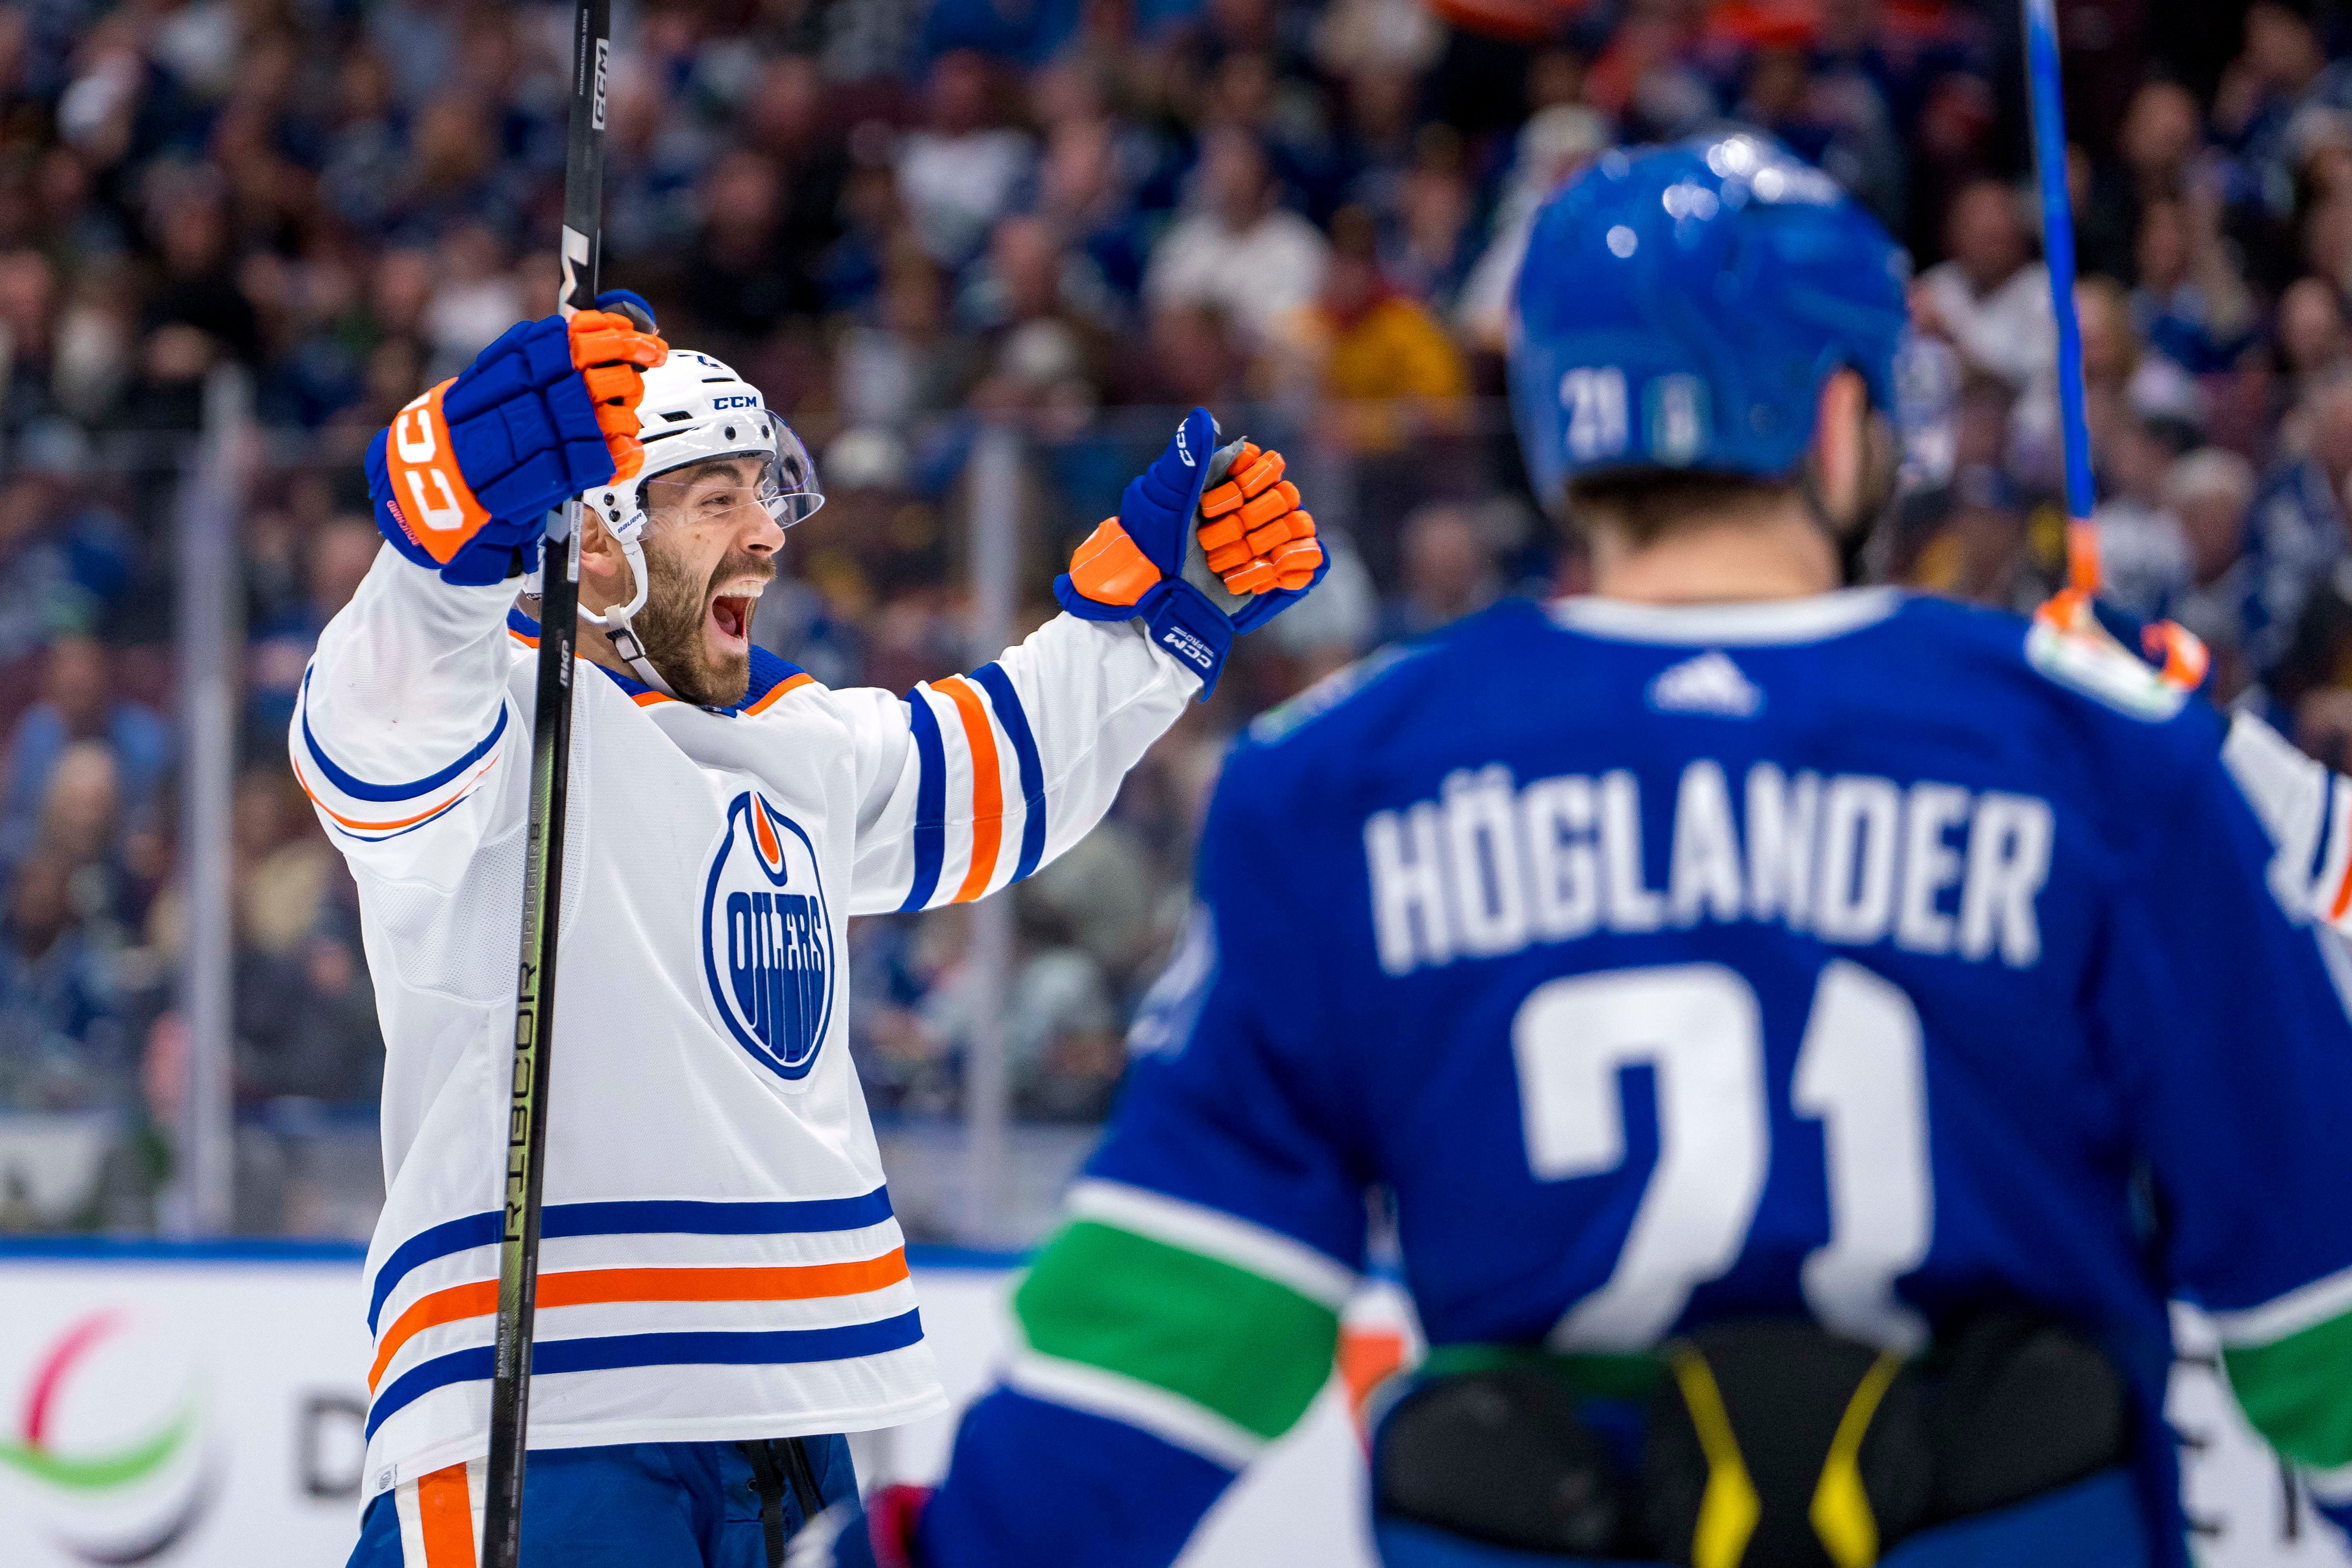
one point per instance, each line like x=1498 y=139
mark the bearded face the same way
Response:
x=697 y=623
x=709 y=551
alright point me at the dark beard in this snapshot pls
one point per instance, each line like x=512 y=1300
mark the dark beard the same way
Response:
x=670 y=625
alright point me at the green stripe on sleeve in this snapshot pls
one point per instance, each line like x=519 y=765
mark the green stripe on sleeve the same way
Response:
x=1232 y=1341
x=2297 y=1391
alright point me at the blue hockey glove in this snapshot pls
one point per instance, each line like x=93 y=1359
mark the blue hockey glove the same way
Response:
x=463 y=478
x=1152 y=561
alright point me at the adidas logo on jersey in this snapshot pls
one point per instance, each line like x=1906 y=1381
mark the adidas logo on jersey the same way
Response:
x=1710 y=683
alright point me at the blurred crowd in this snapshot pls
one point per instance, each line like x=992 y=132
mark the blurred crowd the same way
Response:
x=915 y=222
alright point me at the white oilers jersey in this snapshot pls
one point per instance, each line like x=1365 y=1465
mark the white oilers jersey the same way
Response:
x=719 y=1259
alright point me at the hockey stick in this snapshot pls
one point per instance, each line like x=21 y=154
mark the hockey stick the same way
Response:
x=2184 y=659
x=2058 y=254
x=542 y=876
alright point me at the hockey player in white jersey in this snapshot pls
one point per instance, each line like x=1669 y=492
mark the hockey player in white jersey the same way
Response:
x=722 y=1288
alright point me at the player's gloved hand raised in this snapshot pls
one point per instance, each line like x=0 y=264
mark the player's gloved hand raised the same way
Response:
x=877 y=1534
x=1257 y=538
x=1156 y=559
x=463 y=478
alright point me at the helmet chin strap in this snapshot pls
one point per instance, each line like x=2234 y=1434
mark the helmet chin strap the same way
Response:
x=615 y=625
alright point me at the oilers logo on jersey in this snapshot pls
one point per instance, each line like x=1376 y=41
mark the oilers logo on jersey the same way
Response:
x=767 y=939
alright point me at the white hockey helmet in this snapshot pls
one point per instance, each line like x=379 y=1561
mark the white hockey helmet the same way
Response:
x=696 y=409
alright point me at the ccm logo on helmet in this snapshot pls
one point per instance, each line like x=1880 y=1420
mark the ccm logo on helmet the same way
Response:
x=735 y=400
x=767 y=938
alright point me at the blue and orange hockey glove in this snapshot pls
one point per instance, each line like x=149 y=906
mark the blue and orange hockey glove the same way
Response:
x=879 y=1533
x=463 y=478
x=1257 y=537
x=1154 y=560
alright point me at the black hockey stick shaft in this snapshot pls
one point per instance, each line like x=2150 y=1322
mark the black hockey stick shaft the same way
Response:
x=542 y=877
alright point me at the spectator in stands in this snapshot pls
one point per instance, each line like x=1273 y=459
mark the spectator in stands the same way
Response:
x=2125 y=386
x=1238 y=252
x=967 y=168
x=2144 y=549
x=1084 y=193
x=908 y=360
x=2295 y=528
x=28 y=290
x=1555 y=143
x=335 y=558
x=2209 y=491
x=79 y=704
x=2313 y=345
x=1062 y=1035
x=1199 y=355
x=2260 y=92
x=1989 y=299
x=743 y=278
x=1448 y=572
x=61 y=1044
x=2161 y=134
x=2191 y=305
x=1043 y=312
x=1386 y=368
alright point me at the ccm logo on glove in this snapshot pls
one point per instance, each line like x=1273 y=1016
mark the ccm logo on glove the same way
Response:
x=418 y=436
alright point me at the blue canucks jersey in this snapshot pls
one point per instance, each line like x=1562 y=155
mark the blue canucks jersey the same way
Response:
x=1867 y=957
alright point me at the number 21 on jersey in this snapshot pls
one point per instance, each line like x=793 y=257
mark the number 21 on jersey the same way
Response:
x=1699 y=1028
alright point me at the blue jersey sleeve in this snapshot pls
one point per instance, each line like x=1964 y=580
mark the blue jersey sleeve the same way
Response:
x=2225 y=1005
x=1186 y=1315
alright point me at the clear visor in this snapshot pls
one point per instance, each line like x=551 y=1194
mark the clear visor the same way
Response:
x=779 y=480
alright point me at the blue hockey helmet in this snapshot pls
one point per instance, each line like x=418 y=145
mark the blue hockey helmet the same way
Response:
x=1681 y=306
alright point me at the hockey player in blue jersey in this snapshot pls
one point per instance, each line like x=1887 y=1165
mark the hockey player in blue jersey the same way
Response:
x=1805 y=1033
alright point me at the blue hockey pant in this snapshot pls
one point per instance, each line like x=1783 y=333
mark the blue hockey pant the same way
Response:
x=634 y=1505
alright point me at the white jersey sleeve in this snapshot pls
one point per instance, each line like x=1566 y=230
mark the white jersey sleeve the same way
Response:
x=969 y=783
x=405 y=734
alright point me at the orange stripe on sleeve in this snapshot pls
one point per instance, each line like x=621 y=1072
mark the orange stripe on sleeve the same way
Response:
x=987 y=786
x=445 y=1513
x=790 y=683
x=592 y=1287
x=404 y=822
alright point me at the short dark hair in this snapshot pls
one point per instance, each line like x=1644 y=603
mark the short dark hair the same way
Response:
x=1645 y=504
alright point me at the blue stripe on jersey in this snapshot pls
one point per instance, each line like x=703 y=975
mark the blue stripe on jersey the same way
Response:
x=647 y=1216
x=931 y=801
x=767 y=672
x=359 y=789
x=603 y=1352
x=1009 y=713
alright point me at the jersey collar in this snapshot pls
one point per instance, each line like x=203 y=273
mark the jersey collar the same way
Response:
x=768 y=672
x=1813 y=619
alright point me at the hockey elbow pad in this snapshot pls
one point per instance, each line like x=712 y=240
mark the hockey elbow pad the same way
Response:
x=465 y=476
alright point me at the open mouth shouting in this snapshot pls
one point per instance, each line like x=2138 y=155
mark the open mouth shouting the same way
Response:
x=729 y=617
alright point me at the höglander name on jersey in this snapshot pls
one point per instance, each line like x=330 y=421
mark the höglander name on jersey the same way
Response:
x=767 y=938
x=1493 y=865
